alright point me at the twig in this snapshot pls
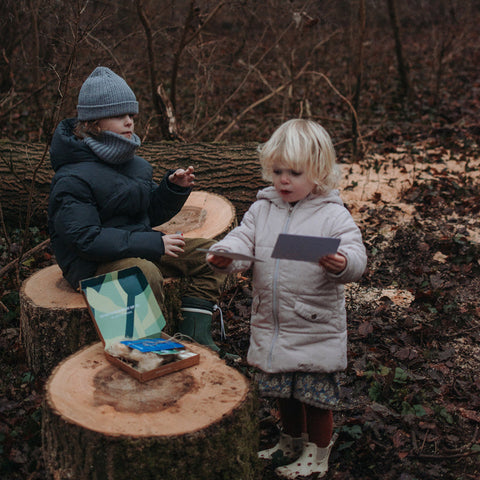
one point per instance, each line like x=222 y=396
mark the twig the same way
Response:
x=114 y=58
x=30 y=252
x=425 y=456
x=232 y=297
x=457 y=453
x=4 y=227
x=259 y=102
x=24 y=99
x=184 y=41
x=354 y=113
x=242 y=83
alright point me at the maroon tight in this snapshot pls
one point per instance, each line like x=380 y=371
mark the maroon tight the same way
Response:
x=297 y=418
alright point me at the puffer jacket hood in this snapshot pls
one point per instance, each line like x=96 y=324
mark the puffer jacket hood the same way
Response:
x=66 y=148
x=298 y=318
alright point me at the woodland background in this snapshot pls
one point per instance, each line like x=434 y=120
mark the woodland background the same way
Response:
x=396 y=83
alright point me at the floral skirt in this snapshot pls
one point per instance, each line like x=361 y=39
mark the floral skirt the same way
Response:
x=320 y=390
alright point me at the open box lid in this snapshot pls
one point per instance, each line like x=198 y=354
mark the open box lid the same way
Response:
x=122 y=305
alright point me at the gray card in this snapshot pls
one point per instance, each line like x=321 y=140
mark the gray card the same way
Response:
x=304 y=248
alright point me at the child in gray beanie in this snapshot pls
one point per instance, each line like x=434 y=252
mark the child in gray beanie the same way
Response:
x=103 y=203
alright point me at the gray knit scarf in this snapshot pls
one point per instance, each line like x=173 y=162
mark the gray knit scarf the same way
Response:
x=113 y=148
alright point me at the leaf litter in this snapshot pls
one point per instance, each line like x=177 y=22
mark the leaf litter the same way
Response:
x=411 y=392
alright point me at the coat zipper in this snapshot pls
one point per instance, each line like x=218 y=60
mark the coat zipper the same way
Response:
x=274 y=295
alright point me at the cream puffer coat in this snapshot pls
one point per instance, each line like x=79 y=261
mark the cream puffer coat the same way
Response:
x=298 y=318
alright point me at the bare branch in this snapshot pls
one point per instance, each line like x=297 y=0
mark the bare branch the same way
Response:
x=259 y=102
x=17 y=260
x=354 y=113
x=108 y=50
x=184 y=42
x=24 y=99
x=242 y=83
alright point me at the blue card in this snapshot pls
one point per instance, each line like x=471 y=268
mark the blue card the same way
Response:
x=152 y=344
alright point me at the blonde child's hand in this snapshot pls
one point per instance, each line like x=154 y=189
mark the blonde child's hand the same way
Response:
x=183 y=178
x=173 y=244
x=334 y=263
x=219 y=262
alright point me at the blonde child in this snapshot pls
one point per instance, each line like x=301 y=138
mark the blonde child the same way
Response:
x=298 y=320
x=104 y=202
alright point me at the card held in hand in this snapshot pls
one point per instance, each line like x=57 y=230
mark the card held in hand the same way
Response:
x=304 y=248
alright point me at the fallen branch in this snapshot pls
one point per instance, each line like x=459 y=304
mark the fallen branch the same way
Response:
x=27 y=254
x=446 y=456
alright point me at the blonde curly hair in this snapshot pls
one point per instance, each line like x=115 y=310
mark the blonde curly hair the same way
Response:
x=303 y=146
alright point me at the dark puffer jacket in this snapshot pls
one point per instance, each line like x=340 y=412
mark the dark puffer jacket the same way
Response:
x=100 y=212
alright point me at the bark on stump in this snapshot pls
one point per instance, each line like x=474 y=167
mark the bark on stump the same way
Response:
x=54 y=318
x=99 y=423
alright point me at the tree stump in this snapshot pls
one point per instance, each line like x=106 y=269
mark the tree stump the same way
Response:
x=54 y=318
x=100 y=423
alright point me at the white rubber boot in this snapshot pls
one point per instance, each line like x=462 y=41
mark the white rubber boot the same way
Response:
x=286 y=450
x=312 y=460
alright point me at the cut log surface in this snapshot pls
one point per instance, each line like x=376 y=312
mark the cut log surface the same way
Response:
x=204 y=215
x=229 y=170
x=101 y=423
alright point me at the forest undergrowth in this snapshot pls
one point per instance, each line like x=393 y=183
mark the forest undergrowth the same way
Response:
x=411 y=392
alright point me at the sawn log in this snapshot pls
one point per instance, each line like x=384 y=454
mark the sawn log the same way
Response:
x=229 y=170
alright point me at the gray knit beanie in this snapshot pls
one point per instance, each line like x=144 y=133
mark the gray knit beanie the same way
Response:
x=105 y=94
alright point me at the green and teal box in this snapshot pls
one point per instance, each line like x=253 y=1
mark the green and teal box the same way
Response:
x=123 y=308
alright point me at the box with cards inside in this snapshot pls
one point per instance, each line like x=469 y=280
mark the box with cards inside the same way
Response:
x=129 y=322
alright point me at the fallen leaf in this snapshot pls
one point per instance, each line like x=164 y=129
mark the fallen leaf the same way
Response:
x=470 y=414
x=365 y=329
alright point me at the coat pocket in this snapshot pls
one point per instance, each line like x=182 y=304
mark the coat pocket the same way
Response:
x=313 y=314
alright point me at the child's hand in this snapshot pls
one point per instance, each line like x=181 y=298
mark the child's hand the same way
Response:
x=183 y=178
x=173 y=244
x=219 y=262
x=334 y=263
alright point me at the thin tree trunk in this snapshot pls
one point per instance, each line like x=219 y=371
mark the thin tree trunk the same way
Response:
x=401 y=65
x=358 y=73
x=165 y=115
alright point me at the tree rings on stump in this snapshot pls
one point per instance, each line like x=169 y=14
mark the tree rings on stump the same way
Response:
x=196 y=423
x=204 y=215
